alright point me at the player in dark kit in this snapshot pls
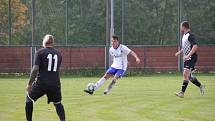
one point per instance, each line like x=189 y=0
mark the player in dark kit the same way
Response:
x=44 y=79
x=189 y=50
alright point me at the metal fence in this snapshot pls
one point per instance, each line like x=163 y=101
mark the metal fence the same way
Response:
x=92 y=22
x=153 y=58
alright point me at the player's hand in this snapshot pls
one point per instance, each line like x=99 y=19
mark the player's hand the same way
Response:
x=138 y=60
x=28 y=88
x=186 y=58
x=178 y=53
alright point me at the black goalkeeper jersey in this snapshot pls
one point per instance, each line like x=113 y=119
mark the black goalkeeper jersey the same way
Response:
x=49 y=60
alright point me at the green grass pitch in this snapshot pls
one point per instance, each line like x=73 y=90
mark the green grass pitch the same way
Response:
x=142 y=98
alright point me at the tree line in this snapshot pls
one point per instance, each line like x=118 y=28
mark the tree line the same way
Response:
x=146 y=22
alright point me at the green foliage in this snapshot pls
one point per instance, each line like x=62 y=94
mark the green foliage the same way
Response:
x=147 y=22
x=18 y=17
x=201 y=15
x=150 y=22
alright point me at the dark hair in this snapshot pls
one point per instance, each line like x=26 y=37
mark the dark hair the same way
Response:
x=186 y=24
x=115 y=37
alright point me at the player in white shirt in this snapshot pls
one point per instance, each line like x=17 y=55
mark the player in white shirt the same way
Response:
x=119 y=53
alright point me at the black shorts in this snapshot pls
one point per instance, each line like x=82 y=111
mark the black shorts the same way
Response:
x=53 y=93
x=190 y=64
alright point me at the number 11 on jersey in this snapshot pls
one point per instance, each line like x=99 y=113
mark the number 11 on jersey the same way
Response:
x=50 y=58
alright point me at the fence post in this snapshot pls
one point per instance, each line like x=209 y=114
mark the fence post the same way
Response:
x=66 y=22
x=33 y=49
x=180 y=58
x=123 y=20
x=9 y=22
x=144 y=57
x=107 y=43
x=112 y=18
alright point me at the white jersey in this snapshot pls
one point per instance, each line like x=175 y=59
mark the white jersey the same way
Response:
x=188 y=40
x=119 y=55
x=186 y=44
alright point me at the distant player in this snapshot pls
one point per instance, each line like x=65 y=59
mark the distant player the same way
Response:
x=119 y=53
x=189 y=50
x=44 y=79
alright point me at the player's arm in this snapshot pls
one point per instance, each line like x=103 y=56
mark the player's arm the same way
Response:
x=34 y=71
x=33 y=75
x=135 y=56
x=193 y=50
x=179 y=52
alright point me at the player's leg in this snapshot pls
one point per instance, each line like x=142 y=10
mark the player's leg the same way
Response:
x=31 y=97
x=112 y=83
x=185 y=83
x=28 y=108
x=60 y=110
x=54 y=95
x=186 y=75
x=194 y=80
x=102 y=80
x=99 y=83
x=118 y=75
x=111 y=71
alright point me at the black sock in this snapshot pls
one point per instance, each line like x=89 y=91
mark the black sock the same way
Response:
x=29 y=110
x=195 y=81
x=184 y=85
x=60 y=111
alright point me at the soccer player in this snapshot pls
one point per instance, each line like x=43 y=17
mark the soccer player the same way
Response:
x=189 y=50
x=44 y=79
x=119 y=53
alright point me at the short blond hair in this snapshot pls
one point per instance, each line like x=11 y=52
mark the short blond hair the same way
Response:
x=48 y=40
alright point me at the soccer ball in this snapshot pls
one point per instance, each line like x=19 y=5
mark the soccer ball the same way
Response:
x=91 y=86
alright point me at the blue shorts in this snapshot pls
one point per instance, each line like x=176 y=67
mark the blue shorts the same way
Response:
x=114 y=71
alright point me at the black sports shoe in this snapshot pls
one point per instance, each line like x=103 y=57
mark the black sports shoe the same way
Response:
x=89 y=92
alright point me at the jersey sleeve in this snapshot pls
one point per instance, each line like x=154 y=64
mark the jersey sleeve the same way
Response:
x=61 y=58
x=126 y=50
x=192 y=39
x=37 y=58
x=111 y=51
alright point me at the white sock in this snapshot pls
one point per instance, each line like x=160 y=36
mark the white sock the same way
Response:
x=99 y=83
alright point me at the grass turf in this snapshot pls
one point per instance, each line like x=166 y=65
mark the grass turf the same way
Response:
x=149 y=98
